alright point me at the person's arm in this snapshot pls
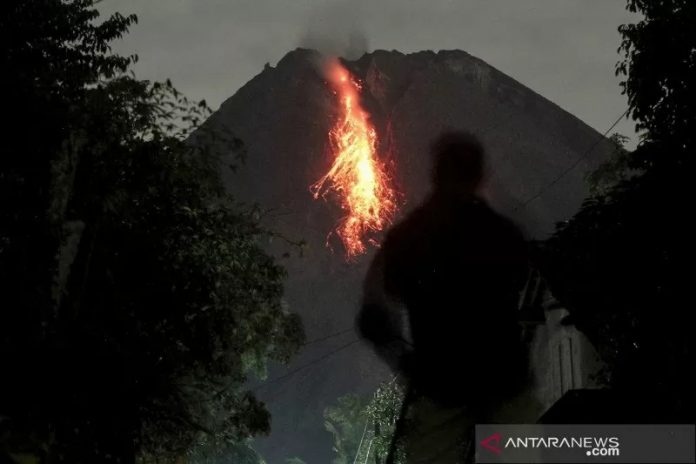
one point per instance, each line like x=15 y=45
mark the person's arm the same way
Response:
x=382 y=319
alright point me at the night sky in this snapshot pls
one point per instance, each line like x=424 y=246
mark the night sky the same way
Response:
x=563 y=49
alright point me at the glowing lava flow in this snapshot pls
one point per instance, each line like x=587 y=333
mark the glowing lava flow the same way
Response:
x=357 y=175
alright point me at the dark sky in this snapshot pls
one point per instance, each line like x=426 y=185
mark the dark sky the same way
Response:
x=563 y=49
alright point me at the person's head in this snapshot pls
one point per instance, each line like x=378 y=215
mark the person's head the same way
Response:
x=458 y=163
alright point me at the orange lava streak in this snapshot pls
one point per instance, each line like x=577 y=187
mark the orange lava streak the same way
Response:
x=357 y=175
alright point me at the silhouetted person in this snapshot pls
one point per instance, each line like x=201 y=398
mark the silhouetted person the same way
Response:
x=440 y=306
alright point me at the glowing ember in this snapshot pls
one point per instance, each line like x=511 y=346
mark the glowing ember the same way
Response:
x=357 y=176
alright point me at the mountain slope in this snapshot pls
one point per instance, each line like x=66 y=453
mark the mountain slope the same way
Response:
x=284 y=114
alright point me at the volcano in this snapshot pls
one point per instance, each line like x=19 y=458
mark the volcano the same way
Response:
x=538 y=155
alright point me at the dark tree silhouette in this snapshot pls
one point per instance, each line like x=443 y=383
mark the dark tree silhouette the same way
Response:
x=621 y=265
x=135 y=297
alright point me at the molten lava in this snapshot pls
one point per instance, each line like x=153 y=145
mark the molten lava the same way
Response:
x=357 y=175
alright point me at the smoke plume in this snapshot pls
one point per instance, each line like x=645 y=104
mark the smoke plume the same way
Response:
x=336 y=30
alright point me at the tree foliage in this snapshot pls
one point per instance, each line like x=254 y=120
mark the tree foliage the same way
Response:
x=619 y=264
x=614 y=170
x=239 y=452
x=136 y=297
x=659 y=66
x=363 y=427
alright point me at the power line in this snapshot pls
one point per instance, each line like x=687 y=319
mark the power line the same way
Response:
x=321 y=358
x=327 y=337
x=305 y=366
x=300 y=368
x=572 y=166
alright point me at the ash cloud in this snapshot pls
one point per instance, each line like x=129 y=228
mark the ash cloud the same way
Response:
x=336 y=30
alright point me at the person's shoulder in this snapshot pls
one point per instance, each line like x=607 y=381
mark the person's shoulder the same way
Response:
x=412 y=222
x=500 y=222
